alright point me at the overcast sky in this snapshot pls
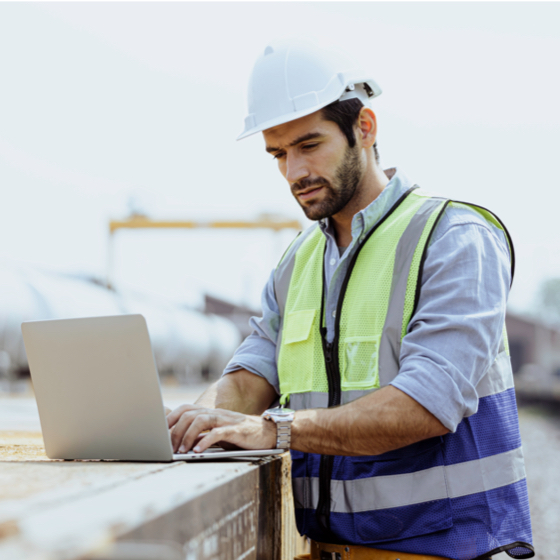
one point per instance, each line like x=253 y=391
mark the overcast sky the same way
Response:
x=101 y=102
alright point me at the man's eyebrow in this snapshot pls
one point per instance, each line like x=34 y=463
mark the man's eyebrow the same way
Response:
x=304 y=138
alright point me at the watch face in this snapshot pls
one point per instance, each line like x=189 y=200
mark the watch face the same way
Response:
x=279 y=411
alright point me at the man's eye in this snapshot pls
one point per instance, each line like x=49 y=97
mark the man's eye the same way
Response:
x=279 y=155
x=309 y=146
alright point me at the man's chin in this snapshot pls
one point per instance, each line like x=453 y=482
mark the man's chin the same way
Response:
x=314 y=214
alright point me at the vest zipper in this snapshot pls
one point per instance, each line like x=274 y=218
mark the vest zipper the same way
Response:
x=333 y=376
x=330 y=351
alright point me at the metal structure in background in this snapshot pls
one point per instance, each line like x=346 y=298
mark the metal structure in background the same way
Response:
x=534 y=346
x=139 y=221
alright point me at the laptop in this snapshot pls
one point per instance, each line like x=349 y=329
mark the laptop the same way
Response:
x=98 y=392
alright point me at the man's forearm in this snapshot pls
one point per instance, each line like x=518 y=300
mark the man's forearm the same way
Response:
x=240 y=391
x=379 y=422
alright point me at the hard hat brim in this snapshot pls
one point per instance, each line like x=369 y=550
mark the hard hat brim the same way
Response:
x=278 y=121
x=282 y=119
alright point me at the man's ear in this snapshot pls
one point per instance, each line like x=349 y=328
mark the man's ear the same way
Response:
x=367 y=125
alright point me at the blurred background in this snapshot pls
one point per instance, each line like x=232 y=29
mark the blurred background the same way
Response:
x=115 y=112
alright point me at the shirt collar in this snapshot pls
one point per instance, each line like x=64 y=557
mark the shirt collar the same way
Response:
x=367 y=218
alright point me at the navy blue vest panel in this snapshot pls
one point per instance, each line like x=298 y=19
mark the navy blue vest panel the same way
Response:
x=459 y=523
x=481 y=523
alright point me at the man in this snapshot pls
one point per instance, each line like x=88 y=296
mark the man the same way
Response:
x=383 y=327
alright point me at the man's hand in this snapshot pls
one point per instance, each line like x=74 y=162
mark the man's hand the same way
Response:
x=192 y=425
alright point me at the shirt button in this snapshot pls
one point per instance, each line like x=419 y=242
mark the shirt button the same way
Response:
x=333 y=261
x=334 y=313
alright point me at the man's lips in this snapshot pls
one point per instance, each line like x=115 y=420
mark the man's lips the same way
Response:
x=305 y=195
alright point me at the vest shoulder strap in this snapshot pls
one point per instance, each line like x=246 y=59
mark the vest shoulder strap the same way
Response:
x=283 y=272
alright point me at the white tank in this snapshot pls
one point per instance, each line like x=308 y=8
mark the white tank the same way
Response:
x=184 y=341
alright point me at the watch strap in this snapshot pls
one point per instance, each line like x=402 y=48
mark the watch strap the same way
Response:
x=283 y=435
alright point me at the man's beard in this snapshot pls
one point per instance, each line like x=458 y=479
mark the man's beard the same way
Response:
x=337 y=196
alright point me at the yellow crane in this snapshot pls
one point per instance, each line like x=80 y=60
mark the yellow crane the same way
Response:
x=140 y=221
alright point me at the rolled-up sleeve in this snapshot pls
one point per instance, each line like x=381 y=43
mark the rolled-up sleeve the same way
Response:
x=257 y=353
x=454 y=335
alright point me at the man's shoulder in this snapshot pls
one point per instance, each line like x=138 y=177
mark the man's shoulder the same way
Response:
x=459 y=213
x=465 y=221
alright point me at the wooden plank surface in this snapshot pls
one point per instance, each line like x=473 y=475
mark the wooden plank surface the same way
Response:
x=21 y=446
x=66 y=510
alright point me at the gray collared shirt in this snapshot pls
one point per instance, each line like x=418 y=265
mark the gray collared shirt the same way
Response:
x=455 y=332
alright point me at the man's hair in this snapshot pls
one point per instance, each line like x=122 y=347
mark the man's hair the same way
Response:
x=345 y=115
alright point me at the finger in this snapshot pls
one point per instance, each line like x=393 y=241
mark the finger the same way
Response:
x=212 y=437
x=183 y=424
x=217 y=444
x=200 y=424
x=167 y=411
x=176 y=449
x=174 y=416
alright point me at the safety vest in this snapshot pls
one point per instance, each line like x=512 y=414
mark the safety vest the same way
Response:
x=463 y=495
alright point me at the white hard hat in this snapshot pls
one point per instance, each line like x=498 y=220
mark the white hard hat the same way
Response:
x=292 y=80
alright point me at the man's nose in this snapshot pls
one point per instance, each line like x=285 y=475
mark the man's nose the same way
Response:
x=296 y=168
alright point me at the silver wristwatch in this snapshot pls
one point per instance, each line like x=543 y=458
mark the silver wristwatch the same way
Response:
x=283 y=417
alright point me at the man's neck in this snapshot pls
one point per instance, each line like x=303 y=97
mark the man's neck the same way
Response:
x=372 y=185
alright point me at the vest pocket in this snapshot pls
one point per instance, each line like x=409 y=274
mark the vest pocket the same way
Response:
x=298 y=326
x=399 y=497
x=297 y=353
x=360 y=362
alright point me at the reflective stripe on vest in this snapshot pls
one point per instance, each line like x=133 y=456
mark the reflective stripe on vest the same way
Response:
x=395 y=322
x=436 y=483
